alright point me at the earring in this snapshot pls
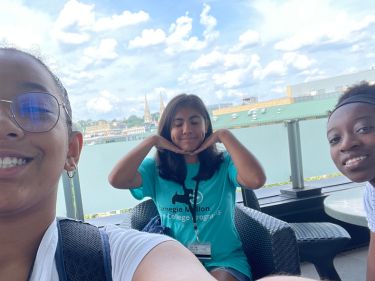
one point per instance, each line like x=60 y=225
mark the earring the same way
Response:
x=72 y=172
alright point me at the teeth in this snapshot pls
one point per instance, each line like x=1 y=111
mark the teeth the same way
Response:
x=9 y=162
x=354 y=160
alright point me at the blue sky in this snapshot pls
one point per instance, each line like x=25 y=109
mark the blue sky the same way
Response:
x=110 y=53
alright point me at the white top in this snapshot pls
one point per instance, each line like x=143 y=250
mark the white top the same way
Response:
x=369 y=202
x=128 y=248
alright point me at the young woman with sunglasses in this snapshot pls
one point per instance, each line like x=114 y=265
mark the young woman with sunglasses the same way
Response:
x=193 y=184
x=351 y=135
x=37 y=144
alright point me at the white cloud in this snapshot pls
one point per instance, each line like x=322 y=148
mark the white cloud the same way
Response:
x=180 y=39
x=230 y=60
x=105 y=51
x=118 y=21
x=103 y=103
x=247 y=39
x=230 y=78
x=208 y=60
x=238 y=94
x=278 y=89
x=282 y=19
x=298 y=61
x=23 y=26
x=307 y=23
x=220 y=94
x=77 y=21
x=75 y=78
x=313 y=74
x=276 y=67
x=100 y=104
x=280 y=67
x=236 y=60
x=194 y=80
x=149 y=37
x=73 y=22
x=209 y=22
x=296 y=42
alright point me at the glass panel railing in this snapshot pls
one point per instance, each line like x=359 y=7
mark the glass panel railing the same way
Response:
x=269 y=143
x=315 y=149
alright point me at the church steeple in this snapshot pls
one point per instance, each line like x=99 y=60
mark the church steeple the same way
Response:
x=147 y=119
x=162 y=107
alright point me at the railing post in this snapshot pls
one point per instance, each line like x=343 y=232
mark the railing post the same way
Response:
x=73 y=198
x=295 y=153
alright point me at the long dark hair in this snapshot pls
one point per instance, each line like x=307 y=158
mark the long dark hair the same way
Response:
x=171 y=165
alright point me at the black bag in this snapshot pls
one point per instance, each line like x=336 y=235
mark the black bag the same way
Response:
x=154 y=226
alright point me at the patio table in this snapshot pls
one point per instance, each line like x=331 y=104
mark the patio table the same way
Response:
x=347 y=206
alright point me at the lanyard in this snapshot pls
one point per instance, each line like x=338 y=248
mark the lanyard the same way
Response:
x=193 y=208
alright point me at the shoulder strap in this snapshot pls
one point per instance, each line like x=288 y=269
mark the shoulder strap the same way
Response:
x=83 y=252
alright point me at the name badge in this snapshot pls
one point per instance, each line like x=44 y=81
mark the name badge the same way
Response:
x=201 y=250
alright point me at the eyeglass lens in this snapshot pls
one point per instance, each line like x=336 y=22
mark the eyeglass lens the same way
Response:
x=36 y=112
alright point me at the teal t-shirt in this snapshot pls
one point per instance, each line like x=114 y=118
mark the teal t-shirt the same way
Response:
x=215 y=210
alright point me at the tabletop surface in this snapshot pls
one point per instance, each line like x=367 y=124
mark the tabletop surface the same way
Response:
x=347 y=206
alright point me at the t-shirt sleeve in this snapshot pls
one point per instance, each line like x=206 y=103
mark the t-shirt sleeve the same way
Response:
x=232 y=170
x=128 y=247
x=147 y=170
x=369 y=204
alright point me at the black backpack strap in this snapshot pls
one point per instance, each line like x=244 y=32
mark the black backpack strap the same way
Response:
x=83 y=252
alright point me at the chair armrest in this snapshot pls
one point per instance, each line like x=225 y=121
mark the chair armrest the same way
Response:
x=269 y=243
x=142 y=213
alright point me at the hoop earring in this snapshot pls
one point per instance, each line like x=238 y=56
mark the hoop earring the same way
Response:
x=72 y=172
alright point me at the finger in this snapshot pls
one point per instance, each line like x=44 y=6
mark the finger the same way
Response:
x=197 y=151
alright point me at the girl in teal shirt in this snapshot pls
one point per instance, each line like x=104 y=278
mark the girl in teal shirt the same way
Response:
x=193 y=184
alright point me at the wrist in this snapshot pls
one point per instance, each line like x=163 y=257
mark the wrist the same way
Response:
x=153 y=140
x=223 y=134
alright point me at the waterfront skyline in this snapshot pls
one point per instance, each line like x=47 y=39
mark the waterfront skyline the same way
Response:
x=110 y=54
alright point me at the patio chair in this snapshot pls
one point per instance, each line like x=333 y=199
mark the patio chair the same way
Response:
x=318 y=242
x=269 y=243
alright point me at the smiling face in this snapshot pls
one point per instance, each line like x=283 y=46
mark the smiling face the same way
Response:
x=351 y=135
x=188 y=129
x=31 y=163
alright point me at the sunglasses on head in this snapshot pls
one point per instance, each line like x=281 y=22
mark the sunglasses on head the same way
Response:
x=35 y=112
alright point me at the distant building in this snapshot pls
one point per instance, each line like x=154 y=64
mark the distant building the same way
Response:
x=103 y=128
x=247 y=107
x=249 y=100
x=98 y=128
x=212 y=107
x=134 y=131
x=147 y=114
x=328 y=87
x=308 y=91
x=162 y=107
